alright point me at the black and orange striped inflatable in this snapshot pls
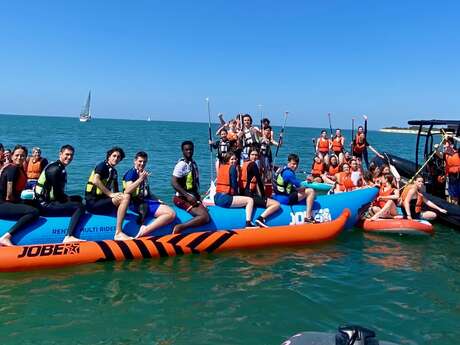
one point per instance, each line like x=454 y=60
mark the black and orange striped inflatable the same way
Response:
x=21 y=258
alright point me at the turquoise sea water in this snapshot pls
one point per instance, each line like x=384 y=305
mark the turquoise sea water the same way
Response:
x=407 y=289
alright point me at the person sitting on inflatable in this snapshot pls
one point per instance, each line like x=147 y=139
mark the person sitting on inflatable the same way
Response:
x=317 y=170
x=288 y=189
x=252 y=185
x=102 y=194
x=344 y=182
x=412 y=201
x=227 y=187
x=323 y=145
x=385 y=204
x=50 y=193
x=34 y=166
x=13 y=180
x=332 y=170
x=186 y=182
x=135 y=182
x=356 y=174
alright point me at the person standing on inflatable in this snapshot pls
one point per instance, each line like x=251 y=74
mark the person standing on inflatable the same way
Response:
x=135 y=182
x=186 y=182
x=50 y=193
x=323 y=145
x=249 y=135
x=13 y=180
x=288 y=189
x=452 y=164
x=102 y=194
x=360 y=144
x=338 y=144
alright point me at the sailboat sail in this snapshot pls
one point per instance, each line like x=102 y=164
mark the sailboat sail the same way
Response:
x=85 y=114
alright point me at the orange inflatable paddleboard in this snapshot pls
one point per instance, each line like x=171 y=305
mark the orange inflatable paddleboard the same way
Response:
x=398 y=226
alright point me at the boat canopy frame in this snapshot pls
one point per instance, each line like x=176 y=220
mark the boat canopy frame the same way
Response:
x=452 y=126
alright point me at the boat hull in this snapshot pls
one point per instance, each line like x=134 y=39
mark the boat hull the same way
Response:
x=20 y=258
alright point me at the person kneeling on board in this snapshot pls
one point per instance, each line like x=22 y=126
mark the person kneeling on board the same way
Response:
x=186 y=181
x=13 y=180
x=412 y=201
x=135 y=183
x=252 y=185
x=102 y=194
x=50 y=193
x=288 y=189
x=227 y=188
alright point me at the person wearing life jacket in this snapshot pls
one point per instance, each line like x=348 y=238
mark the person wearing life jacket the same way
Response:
x=227 y=188
x=412 y=200
x=317 y=169
x=344 y=182
x=266 y=155
x=223 y=146
x=356 y=174
x=323 y=145
x=288 y=189
x=50 y=194
x=252 y=185
x=143 y=202
x=360 y=144
x=249 y=136
x=338 y=144
x=347 y=157
x=2 y=158
x=7 y=157
x=333 y=168
x=384 y=205
x=186 y=182
x=33 y=166
x=13 y=180
x=102 y=193
x=451 y=158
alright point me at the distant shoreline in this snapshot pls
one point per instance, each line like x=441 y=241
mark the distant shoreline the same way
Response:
x=410 y=130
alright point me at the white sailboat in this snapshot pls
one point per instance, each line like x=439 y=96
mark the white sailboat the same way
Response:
x=85 y=114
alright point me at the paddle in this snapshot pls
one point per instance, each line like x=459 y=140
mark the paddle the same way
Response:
x=210 y=137
x=352 y=134
x=280 y=138
x=330 y=123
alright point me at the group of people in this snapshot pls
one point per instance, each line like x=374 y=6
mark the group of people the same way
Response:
x=102 y=194
x=246 y=178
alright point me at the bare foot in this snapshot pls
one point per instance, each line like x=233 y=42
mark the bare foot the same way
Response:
x=141 y=231
x=178 y=228
x=121 y=236
x=69 y=239
x=5 y=241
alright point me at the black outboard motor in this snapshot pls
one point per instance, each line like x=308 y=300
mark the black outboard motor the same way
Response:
x=346 y=335
x=355 y=335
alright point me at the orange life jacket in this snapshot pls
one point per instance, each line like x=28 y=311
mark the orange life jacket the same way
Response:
x=418 y=204
x=382 y=192
x=244 y=178
x=21 y=182
x=33 y=169
x=331 y=171
x=223 y=180
x=317 y=169
x=359 y=147
x=344 y=181
x=453 y=163
x=231 y=136
x=323 y=145
x=337 y=144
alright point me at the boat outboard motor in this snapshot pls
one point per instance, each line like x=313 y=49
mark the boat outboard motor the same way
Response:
x=346 y=335
x=355 y=335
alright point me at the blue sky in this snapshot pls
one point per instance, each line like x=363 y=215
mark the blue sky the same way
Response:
x=391 y=60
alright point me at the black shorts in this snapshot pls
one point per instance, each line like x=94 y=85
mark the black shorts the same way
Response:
x=100 y=205
x=259 y=201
